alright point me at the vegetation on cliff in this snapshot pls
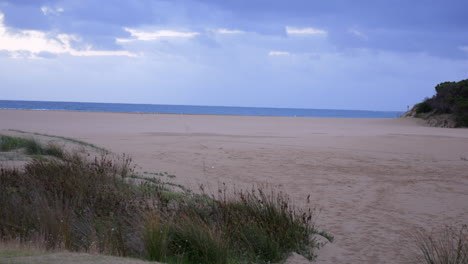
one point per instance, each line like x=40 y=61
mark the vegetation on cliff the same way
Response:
x=451 y=99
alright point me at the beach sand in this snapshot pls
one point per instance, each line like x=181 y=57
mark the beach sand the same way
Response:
x=373 y=180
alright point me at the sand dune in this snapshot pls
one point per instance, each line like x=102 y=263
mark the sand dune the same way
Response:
x=373 y=180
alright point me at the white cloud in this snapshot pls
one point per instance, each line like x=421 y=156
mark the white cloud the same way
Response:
x=305 y=31
x=357 y=33
x=51 y=11
x=279 y=53
x=30 y=43
x=154 y=35
x=464 y=48
x=229 y=31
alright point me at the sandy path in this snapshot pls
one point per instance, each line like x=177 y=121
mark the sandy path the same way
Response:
x=71 y=258
x=373 y=179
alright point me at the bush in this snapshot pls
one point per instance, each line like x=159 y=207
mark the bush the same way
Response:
x=423 y=107
x=462 y=120
x=450 y=98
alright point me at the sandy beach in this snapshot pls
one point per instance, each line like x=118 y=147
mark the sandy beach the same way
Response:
x=373 y=180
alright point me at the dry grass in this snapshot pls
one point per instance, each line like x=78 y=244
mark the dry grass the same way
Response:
x=446 y=246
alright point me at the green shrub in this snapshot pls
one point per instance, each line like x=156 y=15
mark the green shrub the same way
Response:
x=423 y=107
x=461 y=103
x=450 y=98
x=462 y=120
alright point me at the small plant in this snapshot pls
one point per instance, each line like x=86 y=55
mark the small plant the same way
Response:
x=446 y=246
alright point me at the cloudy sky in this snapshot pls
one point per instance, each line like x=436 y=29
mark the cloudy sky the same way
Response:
x=332 y=54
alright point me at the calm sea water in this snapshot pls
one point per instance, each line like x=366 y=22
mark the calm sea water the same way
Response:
x=191 y=109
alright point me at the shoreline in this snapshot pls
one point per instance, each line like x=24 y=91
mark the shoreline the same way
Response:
x=218 y=115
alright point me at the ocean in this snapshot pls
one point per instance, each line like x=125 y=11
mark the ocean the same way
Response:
x=192 y=109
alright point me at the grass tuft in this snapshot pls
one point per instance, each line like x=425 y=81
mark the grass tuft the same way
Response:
x=446 y=246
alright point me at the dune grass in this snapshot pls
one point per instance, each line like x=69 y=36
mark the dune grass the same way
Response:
x=448 y=245
x=72 y=140
x=30 y=145
x=101 y=205
x=254 y=226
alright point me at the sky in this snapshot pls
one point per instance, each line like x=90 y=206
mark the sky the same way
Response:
x=321 y=54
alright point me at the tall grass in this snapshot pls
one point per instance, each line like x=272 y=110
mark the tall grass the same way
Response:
x=72 y=203
x=266 y=226
x=446 y=246
x=186 y=240
x=254 y=226
x=100 y=204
